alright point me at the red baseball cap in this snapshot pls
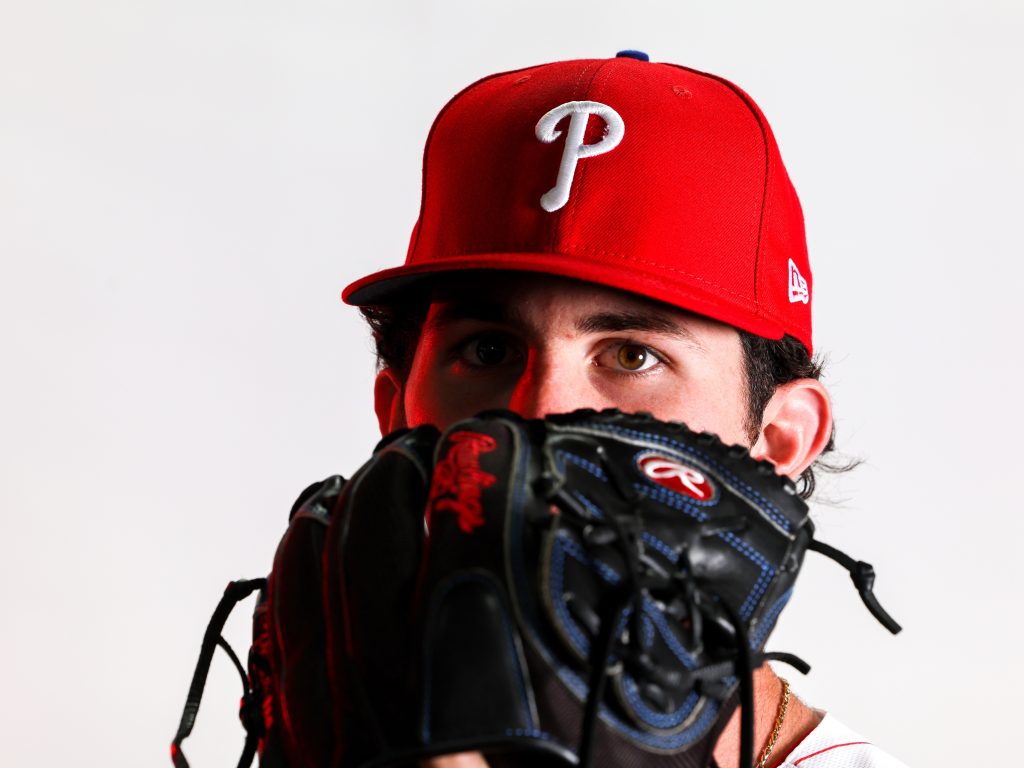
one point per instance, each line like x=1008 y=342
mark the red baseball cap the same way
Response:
x=652 y=178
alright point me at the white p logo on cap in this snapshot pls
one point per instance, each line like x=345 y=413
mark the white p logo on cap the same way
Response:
x=581 y=111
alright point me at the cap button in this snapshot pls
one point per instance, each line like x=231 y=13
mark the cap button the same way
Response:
x=638 y=55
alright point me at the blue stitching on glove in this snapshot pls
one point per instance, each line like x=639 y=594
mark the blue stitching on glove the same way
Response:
x=557 y=582
x=658 y=719
x=561 y=456
x=648 y=537
x=661 y=546
x=677 y=648
x=562 y=546
x=648 y=625
x=591 y=507
x=766 y=575
x=672 y=499
x=606 y=571
x=683 y=738
x=531 y=733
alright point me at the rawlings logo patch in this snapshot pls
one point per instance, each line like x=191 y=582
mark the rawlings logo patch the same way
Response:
x=676 y=476
x=458 y=480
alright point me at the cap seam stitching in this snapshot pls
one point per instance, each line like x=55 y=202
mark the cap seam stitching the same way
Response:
x=433 y=128
x=767 y=164
x=572 y=219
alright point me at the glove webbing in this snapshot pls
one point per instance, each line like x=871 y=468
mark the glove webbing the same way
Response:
x=622 y=530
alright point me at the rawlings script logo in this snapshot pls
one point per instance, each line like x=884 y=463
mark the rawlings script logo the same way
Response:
x=575 y=149
x=459 y=481
x=676 y=477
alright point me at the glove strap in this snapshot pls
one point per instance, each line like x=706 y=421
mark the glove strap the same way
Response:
x=235 y=592
x=863 y=576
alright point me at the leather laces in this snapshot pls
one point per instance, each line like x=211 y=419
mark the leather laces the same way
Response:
x=608 y=652
x=249 y=711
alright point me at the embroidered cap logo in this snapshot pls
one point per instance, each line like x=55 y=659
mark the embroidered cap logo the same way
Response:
x=575 y=149
x=797 y=286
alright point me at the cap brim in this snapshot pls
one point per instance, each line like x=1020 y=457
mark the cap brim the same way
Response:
x=392 y=285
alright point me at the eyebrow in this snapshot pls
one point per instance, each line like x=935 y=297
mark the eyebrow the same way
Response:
x=601 y=322
x=487 y=312
x=649 y=322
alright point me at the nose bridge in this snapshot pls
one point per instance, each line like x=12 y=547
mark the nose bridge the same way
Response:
x=546 y=386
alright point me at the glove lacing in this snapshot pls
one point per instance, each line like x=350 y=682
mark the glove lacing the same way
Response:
x=687 y=600
x=249 y=709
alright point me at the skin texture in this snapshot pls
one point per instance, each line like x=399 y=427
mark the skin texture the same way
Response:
x=538 y=344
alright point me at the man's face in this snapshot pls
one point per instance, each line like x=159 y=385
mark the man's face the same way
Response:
x=538 y=344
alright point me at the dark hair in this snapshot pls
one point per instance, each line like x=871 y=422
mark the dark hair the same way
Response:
x=396 y=330
x=768 y=364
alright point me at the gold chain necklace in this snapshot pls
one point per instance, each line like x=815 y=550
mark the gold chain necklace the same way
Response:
x=783 y=706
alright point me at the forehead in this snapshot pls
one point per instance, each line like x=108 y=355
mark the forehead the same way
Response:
x=531 y=299
x=549 y=292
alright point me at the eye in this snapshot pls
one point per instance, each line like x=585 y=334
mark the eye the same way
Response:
x=485 y=351
x=633 y=357
x=628 y=357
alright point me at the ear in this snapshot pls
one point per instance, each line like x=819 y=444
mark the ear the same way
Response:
x=796 y=427
x=388 y=402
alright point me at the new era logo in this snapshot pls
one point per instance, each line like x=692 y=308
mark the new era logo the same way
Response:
x=797 y=285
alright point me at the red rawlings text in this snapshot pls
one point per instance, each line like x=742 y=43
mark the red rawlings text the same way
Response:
x=458 y=480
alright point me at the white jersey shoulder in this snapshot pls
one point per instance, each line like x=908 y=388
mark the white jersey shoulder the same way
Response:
x=833 y=745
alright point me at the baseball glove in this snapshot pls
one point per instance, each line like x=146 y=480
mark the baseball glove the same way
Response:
x=593 y=589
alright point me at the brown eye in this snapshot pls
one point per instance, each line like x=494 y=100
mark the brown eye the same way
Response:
x=627 y=358
x=633 y=357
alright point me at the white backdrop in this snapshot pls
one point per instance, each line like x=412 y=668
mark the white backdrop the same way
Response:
x=186 y=186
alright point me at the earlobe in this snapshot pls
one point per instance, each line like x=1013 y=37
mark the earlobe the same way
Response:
x=796 y=427
x=388 y=402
